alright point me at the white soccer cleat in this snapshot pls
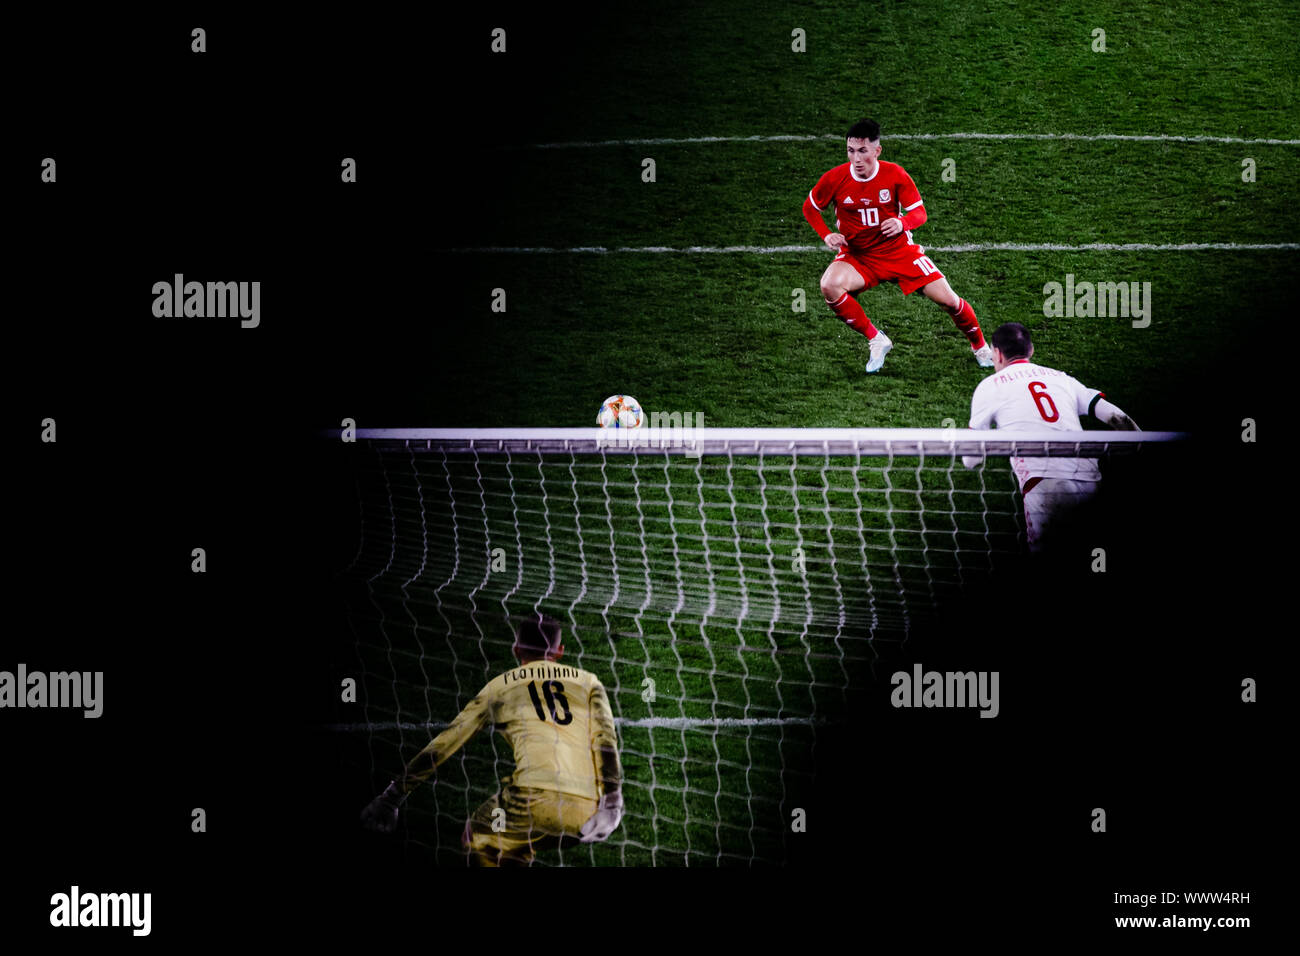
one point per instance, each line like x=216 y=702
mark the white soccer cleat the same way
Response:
x=880 y=346
x=985 y=356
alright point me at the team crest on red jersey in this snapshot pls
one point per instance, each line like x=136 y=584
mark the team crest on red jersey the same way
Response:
x=884 y=195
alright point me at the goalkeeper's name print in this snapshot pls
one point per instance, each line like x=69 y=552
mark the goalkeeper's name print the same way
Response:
x=922 y=688
x=540 y=672
x=1105 y=300
x=102 y=909
x=68 y=689
x=179 y=299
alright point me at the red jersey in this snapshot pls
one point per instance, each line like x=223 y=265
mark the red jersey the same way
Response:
x=861 y=205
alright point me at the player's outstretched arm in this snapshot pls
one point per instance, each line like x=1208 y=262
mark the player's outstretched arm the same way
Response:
x=381 y=813
x=1112 y=415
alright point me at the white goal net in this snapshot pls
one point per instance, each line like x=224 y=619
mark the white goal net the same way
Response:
x=725 y=585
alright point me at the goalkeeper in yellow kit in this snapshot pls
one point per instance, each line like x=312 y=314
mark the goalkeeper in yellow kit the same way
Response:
x=567 y=779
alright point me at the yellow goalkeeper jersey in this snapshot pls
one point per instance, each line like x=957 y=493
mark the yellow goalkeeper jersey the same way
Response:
x=556 y=718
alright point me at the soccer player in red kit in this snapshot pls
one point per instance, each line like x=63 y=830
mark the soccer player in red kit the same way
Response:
x=876 y=208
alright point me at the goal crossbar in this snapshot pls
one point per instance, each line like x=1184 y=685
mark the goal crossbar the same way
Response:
x=1033 y=443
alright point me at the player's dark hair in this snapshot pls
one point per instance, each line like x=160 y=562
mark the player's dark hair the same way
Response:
x=538 y=635
x=1012 y=340
x=864 y=129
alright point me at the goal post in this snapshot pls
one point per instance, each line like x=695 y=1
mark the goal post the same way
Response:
x=723 y=583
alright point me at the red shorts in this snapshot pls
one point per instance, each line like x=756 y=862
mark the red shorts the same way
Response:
x=906 y=264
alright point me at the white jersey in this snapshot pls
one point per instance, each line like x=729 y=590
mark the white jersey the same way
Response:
x=1024 y=395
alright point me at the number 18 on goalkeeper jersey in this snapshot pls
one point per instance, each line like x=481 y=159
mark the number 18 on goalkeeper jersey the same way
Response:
x=556 y=718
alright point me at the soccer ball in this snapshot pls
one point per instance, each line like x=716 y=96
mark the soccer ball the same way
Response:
x=620 y=411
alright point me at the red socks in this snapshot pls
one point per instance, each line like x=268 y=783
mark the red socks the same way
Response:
x=964 y=319
x=847 y=308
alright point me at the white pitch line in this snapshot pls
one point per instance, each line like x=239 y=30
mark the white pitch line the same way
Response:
x=969 y=247
x=1110 y=137
x=669 y=723
x=1114 y=247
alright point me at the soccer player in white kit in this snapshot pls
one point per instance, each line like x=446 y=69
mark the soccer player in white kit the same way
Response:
x=1023 y=395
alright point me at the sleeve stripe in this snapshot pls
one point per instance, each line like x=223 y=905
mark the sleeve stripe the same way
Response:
x=1095 y=399
x=919 y=202
x=814 y=202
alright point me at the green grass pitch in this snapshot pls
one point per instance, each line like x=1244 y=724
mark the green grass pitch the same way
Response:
x=715 y=333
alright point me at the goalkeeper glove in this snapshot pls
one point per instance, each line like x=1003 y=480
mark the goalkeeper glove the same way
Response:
x=605 y=820
x=381 y=814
